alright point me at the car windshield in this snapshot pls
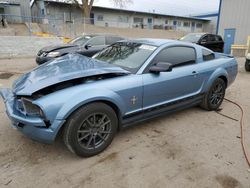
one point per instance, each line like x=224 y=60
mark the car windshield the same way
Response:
x=127 y=55
x=192 y=37
x=80 y=40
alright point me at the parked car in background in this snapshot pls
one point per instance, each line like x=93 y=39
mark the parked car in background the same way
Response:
x=247 y=63
x=90 y=99
x=86 y=45
x=210 y=41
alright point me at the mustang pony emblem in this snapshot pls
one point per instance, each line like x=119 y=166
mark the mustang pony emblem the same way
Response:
x=133 y=100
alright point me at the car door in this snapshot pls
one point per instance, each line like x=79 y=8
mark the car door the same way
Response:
x=213 y=43
x=182 y=82
x=95 y=45
x=204 y=41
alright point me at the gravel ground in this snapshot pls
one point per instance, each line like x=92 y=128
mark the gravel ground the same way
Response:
x=24 y=46
x=191 y=148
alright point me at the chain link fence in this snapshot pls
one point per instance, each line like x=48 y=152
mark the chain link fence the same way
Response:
x=61 y=25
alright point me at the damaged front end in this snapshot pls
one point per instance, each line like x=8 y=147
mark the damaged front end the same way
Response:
x=27 y=104
x=26 y=117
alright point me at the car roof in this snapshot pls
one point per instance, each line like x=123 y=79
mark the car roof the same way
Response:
x=157 y=42
x=203 y=34
x=101 y=34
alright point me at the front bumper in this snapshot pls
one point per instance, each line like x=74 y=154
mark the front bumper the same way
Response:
x=33 y=127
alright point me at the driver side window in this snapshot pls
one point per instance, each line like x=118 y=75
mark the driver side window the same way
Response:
x=177 y=56
x=204 y=39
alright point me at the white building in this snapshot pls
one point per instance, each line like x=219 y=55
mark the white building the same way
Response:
x=15 y=10
x=212 y=27
x=112 y=17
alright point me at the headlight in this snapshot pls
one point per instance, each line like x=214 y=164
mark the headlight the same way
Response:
x=31 y=109
x=248 y=56
x=53 y=54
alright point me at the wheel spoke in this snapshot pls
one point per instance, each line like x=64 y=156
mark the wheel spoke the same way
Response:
x=105 y=132
x=101 y=121
x=219 y=88
x=103 y=139
x=84 y=131
x=83 y=137
x=213 y=100
x=94 y=141
x=90 y=124
x=94 y=119
x=105 y=123
x=90 y=140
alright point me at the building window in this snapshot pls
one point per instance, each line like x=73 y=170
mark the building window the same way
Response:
x=166 y=22
x=138 y=20
x=179 y=23
x=199 y=25
x=123 y=19
x=186 y=24
x=99 y=17
x=43 y=12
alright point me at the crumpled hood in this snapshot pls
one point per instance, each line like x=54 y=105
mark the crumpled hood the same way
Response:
x=68 y=67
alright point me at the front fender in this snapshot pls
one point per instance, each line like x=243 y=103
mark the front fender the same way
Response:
x=216 y=74
x=59 y=105
x=79 y=100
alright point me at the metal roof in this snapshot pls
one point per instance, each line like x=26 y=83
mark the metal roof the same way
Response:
x=132 y=11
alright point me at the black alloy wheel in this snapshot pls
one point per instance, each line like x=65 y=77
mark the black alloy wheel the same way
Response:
x=90 y=129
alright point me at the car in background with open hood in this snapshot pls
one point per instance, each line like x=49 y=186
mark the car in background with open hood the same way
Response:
x=86 y=45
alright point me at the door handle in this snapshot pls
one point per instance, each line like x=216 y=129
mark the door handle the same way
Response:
x=194 y=73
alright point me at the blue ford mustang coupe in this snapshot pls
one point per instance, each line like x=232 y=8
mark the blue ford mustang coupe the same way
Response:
x=90 y=99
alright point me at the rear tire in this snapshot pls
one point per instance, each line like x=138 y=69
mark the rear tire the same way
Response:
x=90 y=129
x=214 y=97
x=247 y=65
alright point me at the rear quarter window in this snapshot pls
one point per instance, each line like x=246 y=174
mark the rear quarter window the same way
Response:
x=207 y=55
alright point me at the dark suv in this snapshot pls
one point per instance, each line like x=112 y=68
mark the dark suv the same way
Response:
x=210 y=41
x=87 y=45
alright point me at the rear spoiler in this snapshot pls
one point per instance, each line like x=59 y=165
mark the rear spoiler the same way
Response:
x=224 y=55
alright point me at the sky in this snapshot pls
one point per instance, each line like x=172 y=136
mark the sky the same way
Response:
x=169 y=7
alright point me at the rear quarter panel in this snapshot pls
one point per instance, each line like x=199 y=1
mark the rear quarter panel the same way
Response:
x=219 y=67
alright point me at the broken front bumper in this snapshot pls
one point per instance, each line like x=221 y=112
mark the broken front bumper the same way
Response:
x=33 y=127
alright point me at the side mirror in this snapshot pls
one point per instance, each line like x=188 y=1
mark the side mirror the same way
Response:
x=87 y=46
x=161 y=67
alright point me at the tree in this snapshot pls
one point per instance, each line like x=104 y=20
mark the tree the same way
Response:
x=86 y=5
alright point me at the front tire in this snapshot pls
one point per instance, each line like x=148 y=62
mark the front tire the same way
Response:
x=214 y=97
x=247 y=65
x=90 y=129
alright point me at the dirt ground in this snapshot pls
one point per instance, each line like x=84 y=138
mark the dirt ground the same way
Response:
x=191 y=148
